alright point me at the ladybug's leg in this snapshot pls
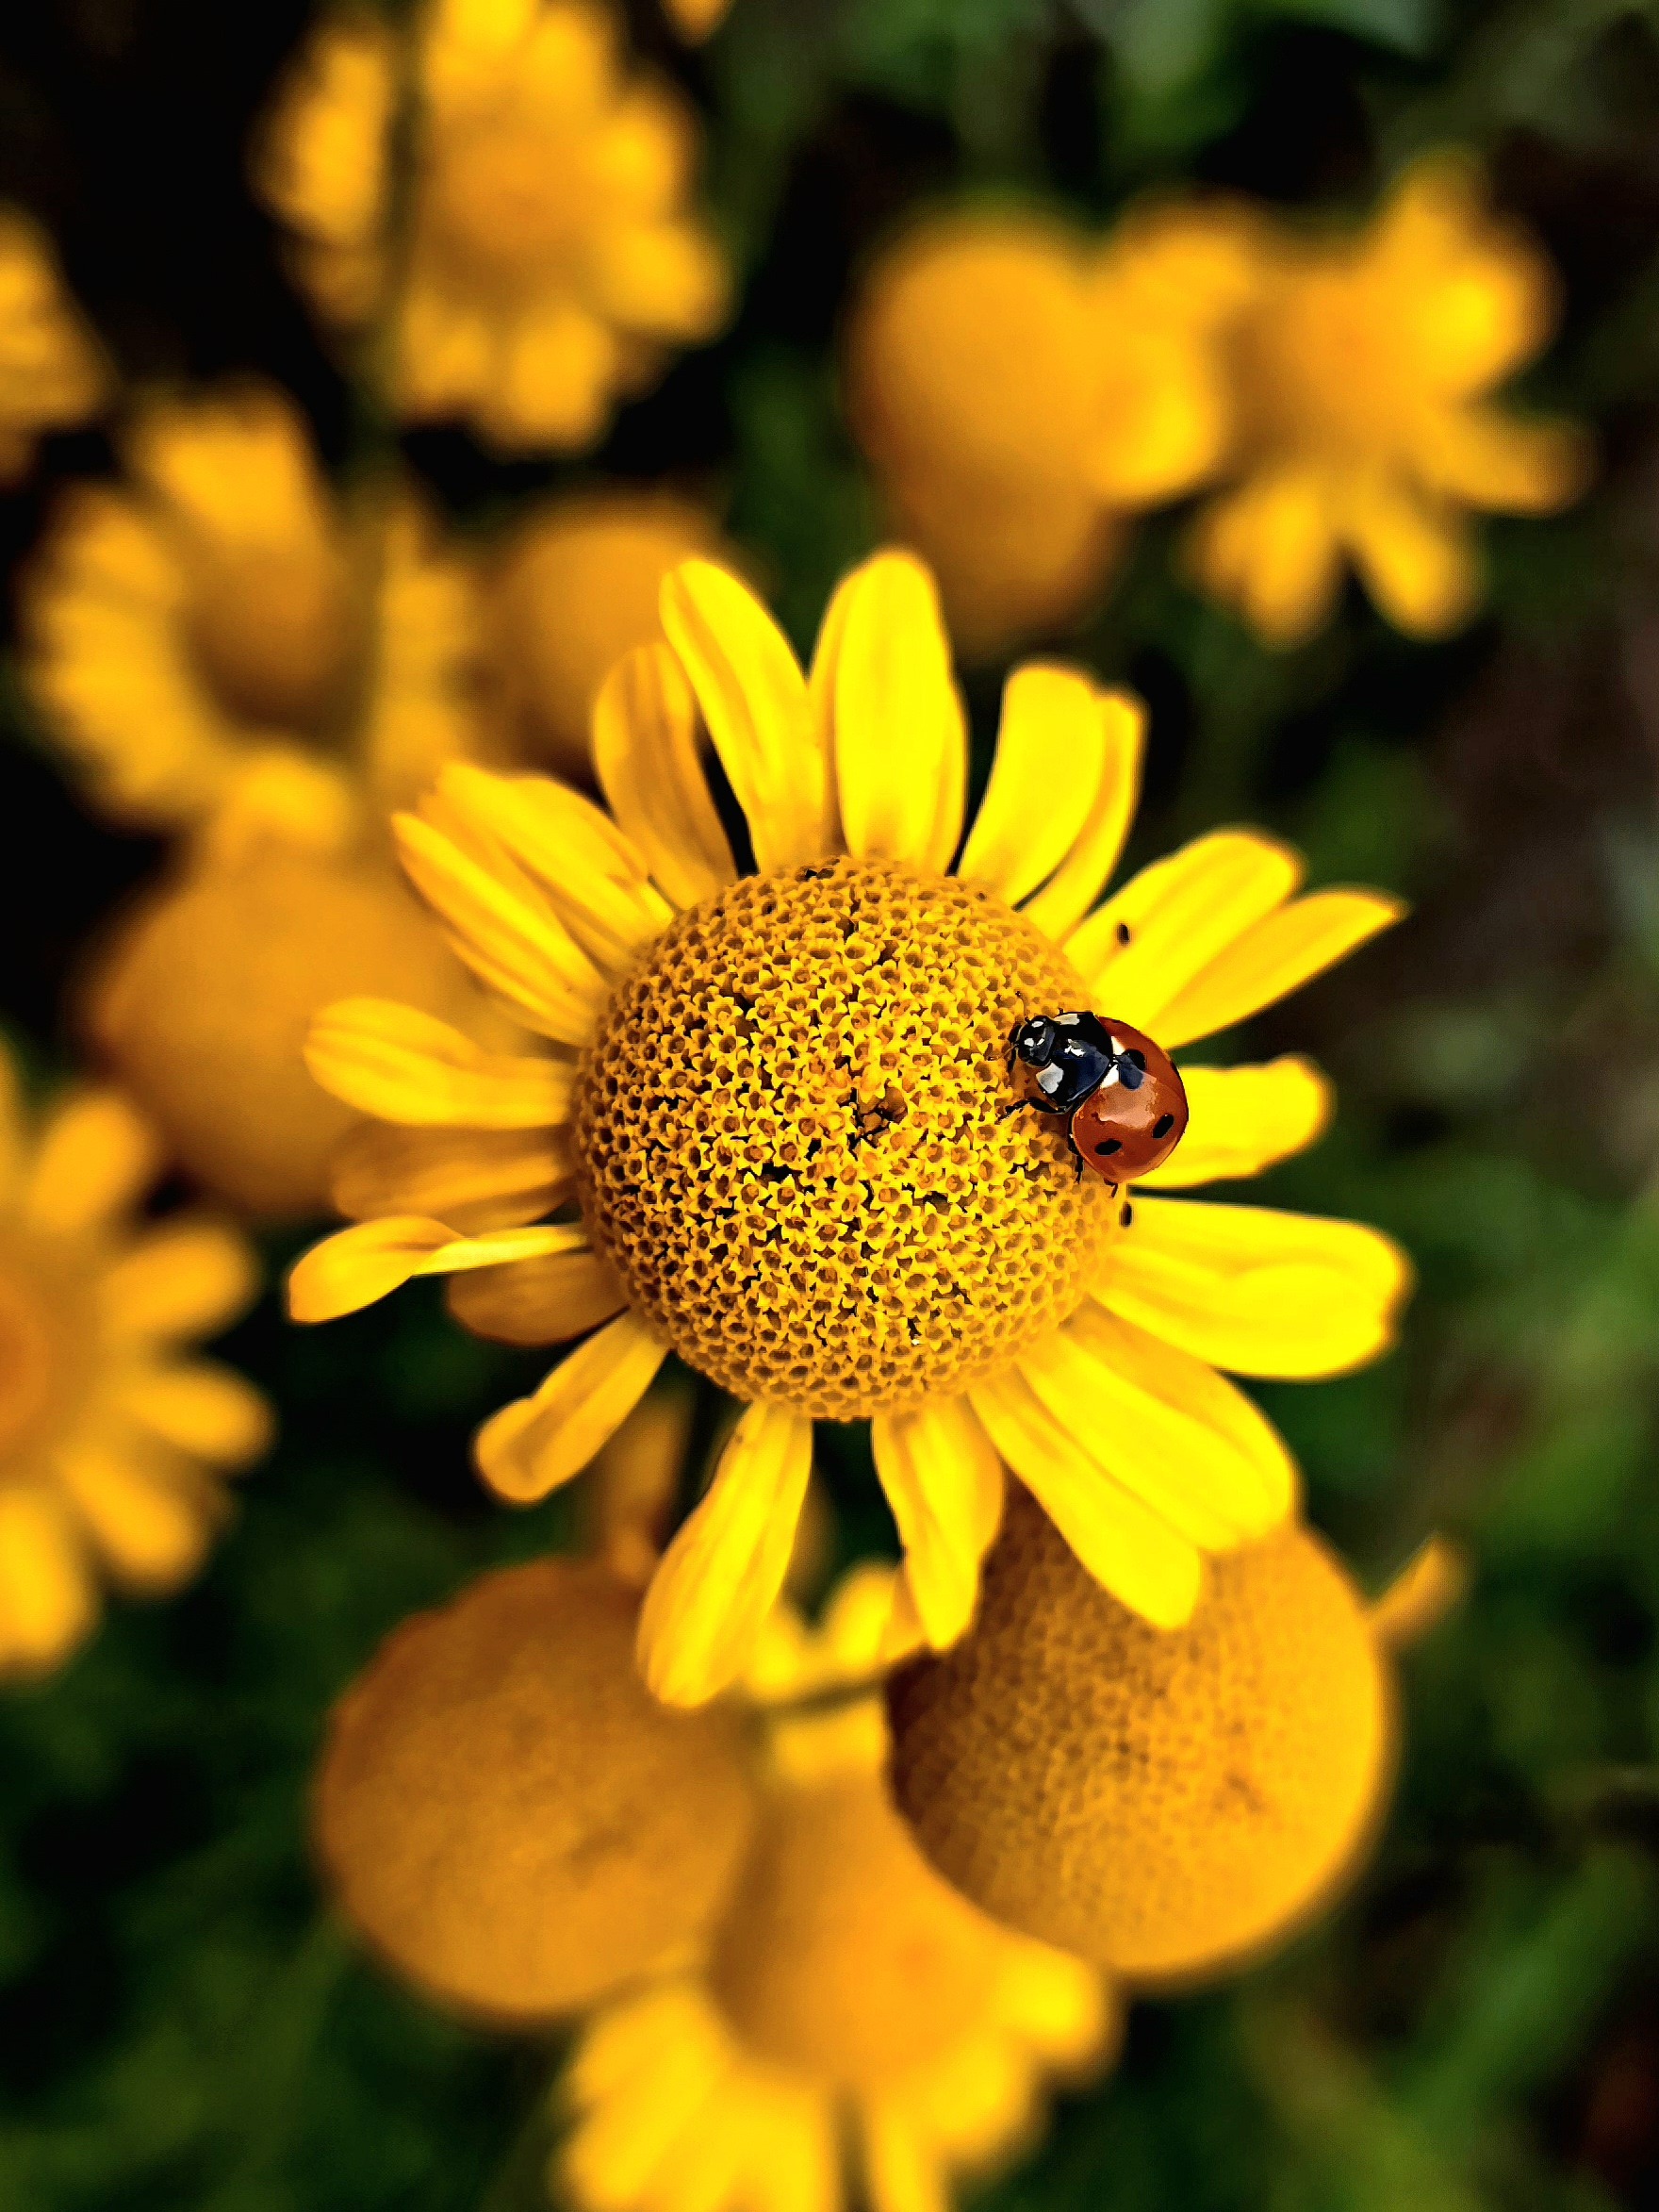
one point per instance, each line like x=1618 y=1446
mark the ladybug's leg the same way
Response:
x=1037 y=1106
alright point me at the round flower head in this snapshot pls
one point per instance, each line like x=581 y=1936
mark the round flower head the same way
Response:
x=202 y=998
x=506 y=1814
x=216 y=633
x=1366 y=431
x=52 y=372
x=1021 y=389
x=549 y=262
x=847 y=1995
x=781 y=1102
x=113 y=1439
x=573 y=589
x=1167 y=1804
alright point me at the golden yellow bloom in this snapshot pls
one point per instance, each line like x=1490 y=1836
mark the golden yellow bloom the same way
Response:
x=573 y=589
x=216 y=633
x=779 y=1100
x=52 y=371
x=509 y=1816
x=848 y=1997
x=113 y=1439
x=1022 y=389
x=696 y=20
x=1168 y=1804
x=551 y=262
x=1366 y=430
x=202 y=998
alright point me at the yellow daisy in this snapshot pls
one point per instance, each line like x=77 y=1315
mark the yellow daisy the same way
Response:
x=780 y=1101
x=113 y=1438
x=1367 y=432
x=1022 y=389
x=848 y=1999
x=550 y=264
x=52 y=371
x=218 y=631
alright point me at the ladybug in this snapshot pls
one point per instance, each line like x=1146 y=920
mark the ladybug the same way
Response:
x=1125 y=1099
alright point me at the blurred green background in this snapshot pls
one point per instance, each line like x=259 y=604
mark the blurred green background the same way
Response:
x=181 y=2025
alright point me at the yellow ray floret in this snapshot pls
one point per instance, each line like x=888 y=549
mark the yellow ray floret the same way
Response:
x=114 y=1436
x=780 y=1102
x=52 y=369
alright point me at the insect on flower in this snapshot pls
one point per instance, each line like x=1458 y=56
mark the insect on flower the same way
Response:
x=1123 y=1096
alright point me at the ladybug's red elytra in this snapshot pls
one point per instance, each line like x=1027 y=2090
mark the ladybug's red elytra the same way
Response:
x=1125 y=1103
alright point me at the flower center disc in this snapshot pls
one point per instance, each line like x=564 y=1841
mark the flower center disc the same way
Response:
x=791 y=1143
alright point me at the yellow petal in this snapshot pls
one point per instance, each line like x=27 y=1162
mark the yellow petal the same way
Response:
x=1166 y=925
x=189 y=1280
x=1051 y=756
x=148 y=1520
x=1058 y=2007
x=1244 y=1120
x=1128 y=1549
x=46 y=1600
x=590 y=874
x=536 y=1444
x=206 y=1411
x=1166 y=1427
x=96 y=1157
x=403 y=1065
x=881 y=680
x=1272 y=551
x=903 y=2171
x=14 y=1138
x=1274 y=958
x=721 y=1576
x=513 y=943
x=1416 y=558
x=1087 y=869
x=644 y=753
x=753 y=698
x=1433 y=1580
x=944 y=1481
x=1257 y=1292
x=545 y=1301
x=473 y=1179
x=354 y=1268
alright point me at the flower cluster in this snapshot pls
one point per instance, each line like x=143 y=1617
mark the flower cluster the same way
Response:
x=1023 y=390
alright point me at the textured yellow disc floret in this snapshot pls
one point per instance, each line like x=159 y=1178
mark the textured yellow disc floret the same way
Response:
x=508 y=1814
x=791 y=1146
x=845 y=1955
x=1161 y=1802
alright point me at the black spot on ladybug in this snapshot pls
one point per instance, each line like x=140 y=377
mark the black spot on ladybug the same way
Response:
x=1123 y=932
x=1162 y=1125
x=1127 y=1216
x=1111 y=1144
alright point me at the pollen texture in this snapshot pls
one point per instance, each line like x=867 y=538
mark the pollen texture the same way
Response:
x=844 y=1954
x=1163 y=1803
x=507 y=1814
x=791 y=1145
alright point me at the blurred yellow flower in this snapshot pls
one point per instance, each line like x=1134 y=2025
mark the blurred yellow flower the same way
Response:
x=52 y=371
x=697 y=20
x=780 y=1102
x=217 y=632
x=551 y=262
x=507 y=1815
x=1170 y=1805
x=848 y=1999
x=1366 y=430
x=113 y=1438
x=1021 y=389
x=571 y=590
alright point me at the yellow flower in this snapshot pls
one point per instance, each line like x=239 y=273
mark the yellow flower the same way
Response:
x=113 y=1439
x=1170 y=1804
x=847 y=1996
x=573 y=589
x=780 y=1100
x=551 y=263
x=697 y=20
x=52 y=372
x=1022 y=389
x=217 y=633
x=1364 y=370
x=509 y=1816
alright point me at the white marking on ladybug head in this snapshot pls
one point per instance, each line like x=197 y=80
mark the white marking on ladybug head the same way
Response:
x=1070 y=1021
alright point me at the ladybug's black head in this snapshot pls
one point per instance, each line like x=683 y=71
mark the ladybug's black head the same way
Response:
x=1037 y=1042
